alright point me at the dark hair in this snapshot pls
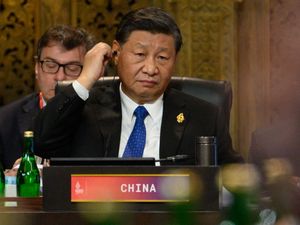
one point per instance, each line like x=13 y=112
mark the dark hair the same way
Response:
x=151 y=19
x=68 y=36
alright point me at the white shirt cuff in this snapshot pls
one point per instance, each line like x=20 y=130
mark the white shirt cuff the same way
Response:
x=82 y=92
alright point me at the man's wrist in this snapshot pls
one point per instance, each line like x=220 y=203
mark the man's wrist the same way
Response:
x=82 y=92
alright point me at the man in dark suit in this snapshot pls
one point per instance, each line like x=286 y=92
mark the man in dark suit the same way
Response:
x=100 y=122
x=60 y=46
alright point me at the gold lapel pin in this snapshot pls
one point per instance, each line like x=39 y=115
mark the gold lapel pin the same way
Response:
x=180 y=118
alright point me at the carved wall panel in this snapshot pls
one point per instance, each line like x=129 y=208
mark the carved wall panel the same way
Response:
x=210 y=45
x=102 y=17
x=209 y=31
x=51 y=12
x=16 y=52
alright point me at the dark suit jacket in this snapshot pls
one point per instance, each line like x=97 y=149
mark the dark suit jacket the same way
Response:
x=68 y=126
x=15 y=118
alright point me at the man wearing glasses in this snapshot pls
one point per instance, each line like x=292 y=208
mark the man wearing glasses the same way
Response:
x=60 y=54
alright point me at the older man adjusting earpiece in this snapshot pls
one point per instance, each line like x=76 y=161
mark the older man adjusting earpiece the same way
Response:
x=138 y=116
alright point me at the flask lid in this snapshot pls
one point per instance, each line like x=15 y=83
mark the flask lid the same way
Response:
x=206 y=139
x=28 y=133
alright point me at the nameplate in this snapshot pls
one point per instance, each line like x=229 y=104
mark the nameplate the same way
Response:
x=192 y=186
x=130 y=187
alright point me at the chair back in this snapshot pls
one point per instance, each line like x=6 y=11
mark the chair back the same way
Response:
x=217 y=92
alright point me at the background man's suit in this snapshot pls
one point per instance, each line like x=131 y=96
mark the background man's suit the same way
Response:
x=72 y=128
x=15 y=118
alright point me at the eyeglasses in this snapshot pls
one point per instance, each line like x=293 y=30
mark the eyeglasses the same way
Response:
x=70 y=69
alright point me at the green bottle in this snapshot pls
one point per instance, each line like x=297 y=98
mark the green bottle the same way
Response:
x=28 y=176
x=2 y=181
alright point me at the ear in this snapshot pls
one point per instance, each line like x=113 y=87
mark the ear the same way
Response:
x=36 y=71
x=116 y=47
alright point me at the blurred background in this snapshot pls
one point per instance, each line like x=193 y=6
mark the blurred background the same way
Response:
x=255 y=44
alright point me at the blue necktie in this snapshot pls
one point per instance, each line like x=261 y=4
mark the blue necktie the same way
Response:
x=137 y=139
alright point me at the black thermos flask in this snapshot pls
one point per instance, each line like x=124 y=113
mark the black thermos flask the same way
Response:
x=206 y=151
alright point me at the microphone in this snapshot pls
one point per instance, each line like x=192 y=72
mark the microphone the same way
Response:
x=174 y=158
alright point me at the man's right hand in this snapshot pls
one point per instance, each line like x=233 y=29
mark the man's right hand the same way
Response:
x=95 y=61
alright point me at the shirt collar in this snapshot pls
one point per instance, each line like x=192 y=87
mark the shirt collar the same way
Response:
x=42 y=101
x=128 y=105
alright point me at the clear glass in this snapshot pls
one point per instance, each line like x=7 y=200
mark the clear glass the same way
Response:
x=28 y=176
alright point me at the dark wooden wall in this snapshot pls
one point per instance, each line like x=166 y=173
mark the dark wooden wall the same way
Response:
x=268 y=67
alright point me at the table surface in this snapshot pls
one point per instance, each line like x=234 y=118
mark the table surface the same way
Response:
x=29 y=211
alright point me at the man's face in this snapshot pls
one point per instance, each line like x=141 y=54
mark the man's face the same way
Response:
x=145 y=64
x=54 y=52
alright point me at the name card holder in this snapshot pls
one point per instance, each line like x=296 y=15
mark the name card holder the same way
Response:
x=130 y=188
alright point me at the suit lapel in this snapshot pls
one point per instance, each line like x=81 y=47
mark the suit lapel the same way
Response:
x=175 y=118
x=109 y=118
x=110 y=128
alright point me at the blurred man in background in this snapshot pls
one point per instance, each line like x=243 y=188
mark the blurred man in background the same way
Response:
x=60 y=54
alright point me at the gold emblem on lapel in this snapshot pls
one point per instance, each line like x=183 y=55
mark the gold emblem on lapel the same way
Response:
x=180 y=118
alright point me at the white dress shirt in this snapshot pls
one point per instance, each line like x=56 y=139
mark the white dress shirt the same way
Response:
x=152 y=124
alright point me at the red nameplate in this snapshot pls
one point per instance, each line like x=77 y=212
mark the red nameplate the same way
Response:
x=130 y=187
